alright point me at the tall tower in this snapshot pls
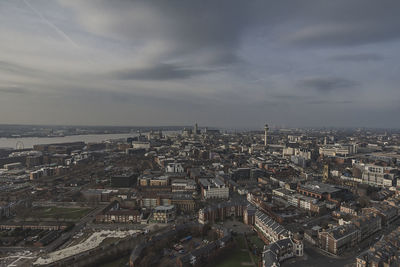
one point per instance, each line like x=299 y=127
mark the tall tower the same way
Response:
x=265 y=134
x=196 y=129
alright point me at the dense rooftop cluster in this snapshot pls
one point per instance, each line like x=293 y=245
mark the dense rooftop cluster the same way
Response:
x=331 y=190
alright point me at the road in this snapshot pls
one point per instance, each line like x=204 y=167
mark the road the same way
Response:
x=313 y=258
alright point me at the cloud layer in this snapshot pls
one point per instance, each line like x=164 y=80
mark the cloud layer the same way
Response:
x=223 y=63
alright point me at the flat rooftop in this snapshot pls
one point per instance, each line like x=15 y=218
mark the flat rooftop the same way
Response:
x=319 y=188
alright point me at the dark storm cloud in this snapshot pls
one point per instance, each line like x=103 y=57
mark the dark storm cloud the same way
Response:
x=347 y=23
x=358 y=57
x=320 y=22
x=203 y=32
x=327 y=84
x=158 y=72
x=208 y=33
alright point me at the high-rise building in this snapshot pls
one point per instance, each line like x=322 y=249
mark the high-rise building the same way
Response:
x=265 y=134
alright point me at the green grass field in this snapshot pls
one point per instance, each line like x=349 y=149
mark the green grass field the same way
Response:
x=236 y=259
x=257 y=241
x=122 y=262
x=241 y=242
x=237 y=256
x=59 y=212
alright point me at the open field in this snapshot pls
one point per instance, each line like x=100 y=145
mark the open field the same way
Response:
x=60 y=213
x=254 y=239
x=121 y=262
x=237 y=257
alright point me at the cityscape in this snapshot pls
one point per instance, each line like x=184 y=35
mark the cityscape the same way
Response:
x=204 y=197
x=230 y=133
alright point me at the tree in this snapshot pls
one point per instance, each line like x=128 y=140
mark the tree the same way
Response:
x=148 y=259
x=363 y=201
x=324 y=224
x=206 y=228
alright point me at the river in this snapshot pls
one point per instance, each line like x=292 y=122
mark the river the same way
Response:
x=29 y=142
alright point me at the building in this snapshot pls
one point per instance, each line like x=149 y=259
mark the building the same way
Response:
x=349 y=208
x=49 y=226
x=48 y=171
x=378 y=176
x=13 y=166
x=149 y=180
x=241 y=174
x=183 y=202
x=34 y=175
x=187 y=132
x=60 y=148
x=34 y=160
x=141 y=145
x=249 y=215
x=338 y=239
x=196 y=130
x=135 y=151
x=266 y=134
x=281 y=250
x=114 y=214
x=269 y=229
x=213 y=188
x=124 y=180
x=154 y=135
x=120 y=216
x=319 y=190
x=299 y=161
x=368 y=224
x=97 y=195
x=305 y=203
x=183 y=185
x=291 y=149
x=338 y=150
x=174 y=167
x=387 y=212
x=154 y=199
x=211 y=132
x=47 y=239
x=164 y=214
x=385 y=252
x=223 y=210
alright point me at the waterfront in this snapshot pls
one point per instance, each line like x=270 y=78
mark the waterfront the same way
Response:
x=29 y=142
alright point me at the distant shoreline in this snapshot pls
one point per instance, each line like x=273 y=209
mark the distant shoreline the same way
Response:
x=29 y=142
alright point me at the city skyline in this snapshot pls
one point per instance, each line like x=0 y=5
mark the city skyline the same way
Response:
x=234 y=64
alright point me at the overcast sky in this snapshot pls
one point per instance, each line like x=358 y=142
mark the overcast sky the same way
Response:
x=219 y=63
